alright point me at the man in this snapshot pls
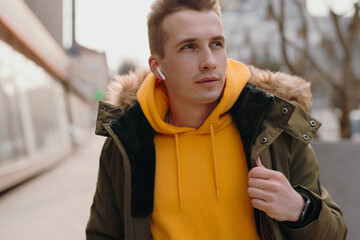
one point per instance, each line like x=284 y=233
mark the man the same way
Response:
x=202 y=154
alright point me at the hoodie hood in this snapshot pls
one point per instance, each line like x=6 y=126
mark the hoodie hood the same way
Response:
x=153 y=100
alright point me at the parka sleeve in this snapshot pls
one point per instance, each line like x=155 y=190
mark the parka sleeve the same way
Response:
x=106 y=213
x=327 y=221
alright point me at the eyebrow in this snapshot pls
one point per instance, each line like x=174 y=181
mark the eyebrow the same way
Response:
x=190 y=40
x=222 y=38
x=187 y=40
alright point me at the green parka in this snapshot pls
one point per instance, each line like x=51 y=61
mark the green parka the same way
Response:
x=277 y=130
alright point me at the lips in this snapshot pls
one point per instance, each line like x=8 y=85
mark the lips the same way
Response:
x=208 y=79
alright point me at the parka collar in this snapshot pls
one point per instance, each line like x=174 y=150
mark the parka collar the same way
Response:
x=261 y=117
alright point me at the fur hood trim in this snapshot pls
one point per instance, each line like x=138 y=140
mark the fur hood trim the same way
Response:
x=122 y=91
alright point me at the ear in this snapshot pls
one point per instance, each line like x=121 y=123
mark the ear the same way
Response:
x=153 y=64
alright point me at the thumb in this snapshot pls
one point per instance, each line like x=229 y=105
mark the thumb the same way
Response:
x=258 y=162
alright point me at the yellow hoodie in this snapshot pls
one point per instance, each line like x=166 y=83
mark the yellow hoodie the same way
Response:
x=201 y=174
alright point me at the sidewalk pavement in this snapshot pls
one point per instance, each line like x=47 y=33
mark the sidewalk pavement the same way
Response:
x=56 y=204
x=339 y=164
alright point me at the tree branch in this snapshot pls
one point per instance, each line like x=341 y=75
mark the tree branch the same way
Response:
x=354 y=27
x=304 y=27
x=313 y=63
x=348 y=74
x=281 y=23
x=304 y=52
x=342 y=40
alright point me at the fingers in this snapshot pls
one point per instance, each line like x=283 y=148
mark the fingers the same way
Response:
x=258 y=183
x=259 y=163
x=262 y=194
x=261 y=199
x=270 y=191
x=259 y=204
x=260 y=172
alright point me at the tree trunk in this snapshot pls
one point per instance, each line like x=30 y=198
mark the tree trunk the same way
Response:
x=345 y=124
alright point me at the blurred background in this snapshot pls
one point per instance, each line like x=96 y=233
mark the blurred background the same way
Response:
x=58 y=56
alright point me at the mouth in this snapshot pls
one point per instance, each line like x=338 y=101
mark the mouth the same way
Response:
x=208 y=79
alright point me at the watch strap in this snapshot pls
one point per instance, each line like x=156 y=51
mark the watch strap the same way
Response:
x=305 y=209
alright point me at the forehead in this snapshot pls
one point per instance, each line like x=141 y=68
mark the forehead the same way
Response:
x=192 y=24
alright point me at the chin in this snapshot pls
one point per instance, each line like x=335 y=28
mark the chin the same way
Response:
x=210 y=98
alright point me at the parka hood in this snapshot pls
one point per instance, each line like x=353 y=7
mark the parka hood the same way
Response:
x=123 y=90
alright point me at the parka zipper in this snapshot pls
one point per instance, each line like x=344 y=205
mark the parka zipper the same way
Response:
x=257 y=126
x=252 y=142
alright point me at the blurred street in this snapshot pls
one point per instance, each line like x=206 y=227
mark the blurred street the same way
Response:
x=56 y=204
x=57 y=59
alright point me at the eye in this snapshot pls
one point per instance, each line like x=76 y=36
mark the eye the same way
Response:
x=188 y=46
x=217 y=44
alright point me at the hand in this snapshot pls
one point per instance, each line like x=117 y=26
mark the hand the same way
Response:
x=271 y=192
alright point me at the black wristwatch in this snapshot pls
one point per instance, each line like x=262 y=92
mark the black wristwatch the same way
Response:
x=306 y=206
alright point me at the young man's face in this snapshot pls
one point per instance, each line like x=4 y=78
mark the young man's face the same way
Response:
x=195 y=57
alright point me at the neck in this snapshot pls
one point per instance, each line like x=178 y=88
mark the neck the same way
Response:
x=192 y=117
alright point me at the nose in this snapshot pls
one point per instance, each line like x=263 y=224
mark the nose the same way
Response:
x=208 y=61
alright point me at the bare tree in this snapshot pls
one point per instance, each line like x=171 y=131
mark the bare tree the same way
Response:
x=344 y=86
x=340 y=61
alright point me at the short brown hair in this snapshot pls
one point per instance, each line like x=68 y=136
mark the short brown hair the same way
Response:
x=162 y=8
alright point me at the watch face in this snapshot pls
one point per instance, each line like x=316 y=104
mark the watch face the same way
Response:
x=306 y=206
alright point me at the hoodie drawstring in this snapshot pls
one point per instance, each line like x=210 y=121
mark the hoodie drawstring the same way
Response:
x=214 y=160
x=178 y=163
x=178 y=169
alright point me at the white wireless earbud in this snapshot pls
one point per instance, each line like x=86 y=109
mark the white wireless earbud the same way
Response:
x=161 y=73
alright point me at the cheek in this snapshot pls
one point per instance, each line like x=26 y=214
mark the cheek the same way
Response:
x=223 y=63
x=223 y=57
x=185 y=64
x=182 y=69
